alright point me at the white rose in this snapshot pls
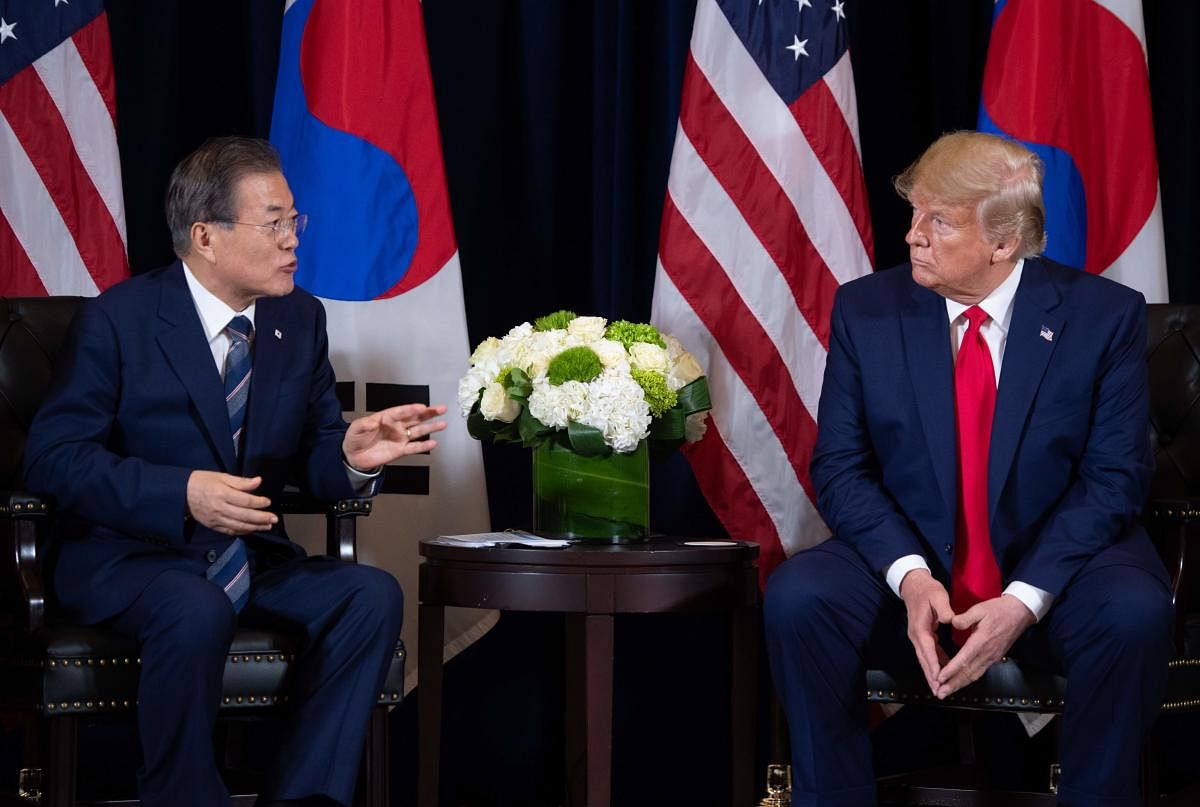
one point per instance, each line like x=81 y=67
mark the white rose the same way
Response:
x=674 y=346
x=645 y=356
x=694 y=426
x=684 y=370
x=486 y=352
x=495 y=404
x=587 y=329
x=611 y=353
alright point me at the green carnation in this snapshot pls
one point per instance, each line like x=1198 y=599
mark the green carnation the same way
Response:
x=556 y=321
x=574 y=364
x=654 y=385
x=627 y=333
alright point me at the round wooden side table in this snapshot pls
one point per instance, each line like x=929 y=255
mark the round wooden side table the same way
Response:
x=590 y=584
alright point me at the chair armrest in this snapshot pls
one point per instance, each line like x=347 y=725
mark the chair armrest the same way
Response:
x=21 y=516
x=1179 y=510
x=340 y=518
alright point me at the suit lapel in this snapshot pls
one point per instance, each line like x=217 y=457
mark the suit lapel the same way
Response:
x=926 y=330
x=1032 y=336
x=270 y=317
x=181 y=337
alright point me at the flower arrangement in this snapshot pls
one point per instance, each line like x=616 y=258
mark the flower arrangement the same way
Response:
x=595 y=386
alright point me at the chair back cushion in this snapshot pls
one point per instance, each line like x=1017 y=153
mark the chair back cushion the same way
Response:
x=32 y=331
x=1173 y=357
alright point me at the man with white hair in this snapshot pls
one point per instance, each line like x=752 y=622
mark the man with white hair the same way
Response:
x=982 y=454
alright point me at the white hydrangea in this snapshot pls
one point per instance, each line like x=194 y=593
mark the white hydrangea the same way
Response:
x=540 y=349
x=554 y=406
x=617 y=408
x=469 y=387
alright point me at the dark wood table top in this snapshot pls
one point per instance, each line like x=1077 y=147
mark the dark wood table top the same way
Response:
x=657 y=551
x=663 y=574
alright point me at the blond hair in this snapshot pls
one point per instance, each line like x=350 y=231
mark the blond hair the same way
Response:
x=1000 y=178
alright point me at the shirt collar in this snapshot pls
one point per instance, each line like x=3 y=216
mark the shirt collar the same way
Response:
x=998 y=305
x=214 y=313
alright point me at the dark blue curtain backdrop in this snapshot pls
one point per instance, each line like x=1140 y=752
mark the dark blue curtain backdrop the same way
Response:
x=557 y=119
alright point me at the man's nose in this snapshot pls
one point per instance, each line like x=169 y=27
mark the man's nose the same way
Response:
x=915 y=237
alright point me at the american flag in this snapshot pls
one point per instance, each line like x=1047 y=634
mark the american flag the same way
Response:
x=62 y=215
x=766 y=214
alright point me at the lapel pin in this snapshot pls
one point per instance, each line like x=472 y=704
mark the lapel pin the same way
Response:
x=279 y=333
x=1046 y=334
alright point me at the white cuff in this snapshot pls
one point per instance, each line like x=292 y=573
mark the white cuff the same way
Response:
x=1035 y=599
x=902 y=566
x=358 y=479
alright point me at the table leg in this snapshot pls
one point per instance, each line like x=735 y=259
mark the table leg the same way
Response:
x=589 y=710
x=743 y=702
x=430 y=638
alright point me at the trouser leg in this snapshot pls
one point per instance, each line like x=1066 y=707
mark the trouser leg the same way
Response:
x=1112 y=629
x=185 y=625
x=349 y=618
x=823 y=608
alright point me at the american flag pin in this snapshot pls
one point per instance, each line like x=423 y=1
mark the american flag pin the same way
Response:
x=279 y=333
x=1046 y=334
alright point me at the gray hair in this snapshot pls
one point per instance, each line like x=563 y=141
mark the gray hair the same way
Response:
x=204 y=184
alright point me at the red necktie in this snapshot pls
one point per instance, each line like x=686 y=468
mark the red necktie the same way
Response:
x=975 y=577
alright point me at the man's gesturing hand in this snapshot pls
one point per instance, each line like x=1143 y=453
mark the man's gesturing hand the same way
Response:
x=379 y=438
x=928 y=606
x=224 y=503
x=997 y=622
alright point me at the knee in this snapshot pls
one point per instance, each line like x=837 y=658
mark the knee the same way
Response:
x=376 y=592
x=1140 y=620
x=797 y=595
x=197 y=622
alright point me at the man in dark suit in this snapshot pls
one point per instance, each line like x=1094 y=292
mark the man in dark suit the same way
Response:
x=188 y=397
x=982 y=453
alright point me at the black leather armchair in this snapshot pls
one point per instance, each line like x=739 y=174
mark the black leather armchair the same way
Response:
x=1173 y=516
x=54 y=674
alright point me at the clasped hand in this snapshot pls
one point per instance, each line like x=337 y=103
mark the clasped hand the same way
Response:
x=995 y=625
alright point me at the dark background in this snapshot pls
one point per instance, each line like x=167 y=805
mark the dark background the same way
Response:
x=557 y=120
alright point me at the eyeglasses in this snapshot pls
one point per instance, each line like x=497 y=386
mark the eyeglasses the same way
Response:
x=281 y=227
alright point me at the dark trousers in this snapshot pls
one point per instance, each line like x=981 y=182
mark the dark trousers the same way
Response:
x=348 y=617
x=829 y=617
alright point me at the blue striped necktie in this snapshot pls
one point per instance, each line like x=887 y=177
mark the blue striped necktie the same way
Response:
x=237 y=375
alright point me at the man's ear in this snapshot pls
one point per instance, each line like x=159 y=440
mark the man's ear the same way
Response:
x=1005 y=249
x=202 y=240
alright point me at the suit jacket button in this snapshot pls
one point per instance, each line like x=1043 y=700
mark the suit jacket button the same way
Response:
x=949 y=548
x=211 y=556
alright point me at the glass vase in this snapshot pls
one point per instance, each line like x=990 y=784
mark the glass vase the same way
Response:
x=603 y=499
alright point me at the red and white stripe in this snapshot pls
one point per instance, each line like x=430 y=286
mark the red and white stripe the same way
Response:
x=765 y=215
x=62 y=214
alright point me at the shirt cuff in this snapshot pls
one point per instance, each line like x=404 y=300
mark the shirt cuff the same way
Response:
x=902 y=566
x=1035 y=599
x=360 y=480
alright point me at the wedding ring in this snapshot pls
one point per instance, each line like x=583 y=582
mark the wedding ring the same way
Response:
x=408 y=434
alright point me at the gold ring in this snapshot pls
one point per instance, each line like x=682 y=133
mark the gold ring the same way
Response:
x=408 y=433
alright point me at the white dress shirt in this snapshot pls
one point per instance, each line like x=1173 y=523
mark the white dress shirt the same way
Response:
x=999 y=307
x=214 y=317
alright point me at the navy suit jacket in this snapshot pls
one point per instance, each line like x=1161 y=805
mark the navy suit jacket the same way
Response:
x=138 y=404
x=1069 y=463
